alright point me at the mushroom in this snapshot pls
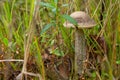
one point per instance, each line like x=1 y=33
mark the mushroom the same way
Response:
x=83 y=22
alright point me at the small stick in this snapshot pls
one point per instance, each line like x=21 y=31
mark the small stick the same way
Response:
x=12 y=60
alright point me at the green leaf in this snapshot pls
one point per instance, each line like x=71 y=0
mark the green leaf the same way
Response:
x=70 y=19
x=47 y=5
x=94 y=74
x=46 y=27
x=57 y=52
x=54 y=10
x=5 y=41
x=55 y=1
x=118 y=62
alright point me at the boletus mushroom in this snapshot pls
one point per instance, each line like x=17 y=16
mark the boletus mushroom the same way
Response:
x=83 y=22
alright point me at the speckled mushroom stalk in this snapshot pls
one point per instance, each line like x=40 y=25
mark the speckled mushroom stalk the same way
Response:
x=83 y=21
x=80 y=50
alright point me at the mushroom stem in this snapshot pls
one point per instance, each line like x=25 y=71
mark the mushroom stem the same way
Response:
x=80 y=51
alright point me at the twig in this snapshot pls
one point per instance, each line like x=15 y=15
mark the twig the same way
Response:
x=33 y=74
x=12 y=60
x=28 y=43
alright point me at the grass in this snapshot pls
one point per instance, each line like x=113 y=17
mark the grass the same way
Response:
x=28 y=30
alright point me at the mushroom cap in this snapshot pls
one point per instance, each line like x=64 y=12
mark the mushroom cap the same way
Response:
x=83 y=20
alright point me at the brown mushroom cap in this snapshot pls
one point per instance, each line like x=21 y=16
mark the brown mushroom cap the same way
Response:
x=83 y=20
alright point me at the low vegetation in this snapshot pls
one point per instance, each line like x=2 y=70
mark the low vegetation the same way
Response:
x=35 y=45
